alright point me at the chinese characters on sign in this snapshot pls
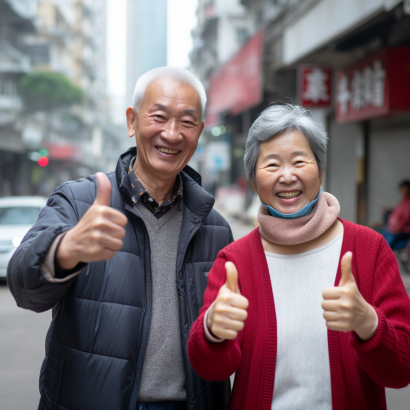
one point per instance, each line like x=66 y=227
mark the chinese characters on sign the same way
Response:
x=376 y=86
x=316 y=86
x=365 y=88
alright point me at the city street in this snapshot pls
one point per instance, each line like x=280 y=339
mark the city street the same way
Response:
x=22 y=351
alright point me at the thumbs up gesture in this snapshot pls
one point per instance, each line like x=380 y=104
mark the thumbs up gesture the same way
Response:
x=226 y=316
x=97 y=236
x=345 y=308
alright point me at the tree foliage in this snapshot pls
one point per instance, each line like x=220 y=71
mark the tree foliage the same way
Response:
x=45 y=90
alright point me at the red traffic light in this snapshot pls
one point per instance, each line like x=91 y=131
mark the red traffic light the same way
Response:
x=43 y=161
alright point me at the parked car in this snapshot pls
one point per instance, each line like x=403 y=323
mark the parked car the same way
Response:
x=17 y=215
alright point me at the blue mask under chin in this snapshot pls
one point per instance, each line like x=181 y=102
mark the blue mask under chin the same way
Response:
x=306 y=210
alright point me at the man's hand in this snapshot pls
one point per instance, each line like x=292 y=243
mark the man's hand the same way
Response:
x=345 y=308
x=226 y=316
x=97 y=236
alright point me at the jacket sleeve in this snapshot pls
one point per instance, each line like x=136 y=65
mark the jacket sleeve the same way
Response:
x=213 y=361
x=26 y=281
x=386 y=356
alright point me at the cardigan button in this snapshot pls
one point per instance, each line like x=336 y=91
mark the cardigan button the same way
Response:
x=181 y=275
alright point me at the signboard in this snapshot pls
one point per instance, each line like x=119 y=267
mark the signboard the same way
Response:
x=218 y=156
x=65 y=151
x=238 y=85
x=376 y=86
x=315 y=86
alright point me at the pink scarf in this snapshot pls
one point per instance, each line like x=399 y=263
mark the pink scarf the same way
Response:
x=299 y=230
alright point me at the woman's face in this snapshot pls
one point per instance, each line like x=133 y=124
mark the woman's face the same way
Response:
x=287 y=173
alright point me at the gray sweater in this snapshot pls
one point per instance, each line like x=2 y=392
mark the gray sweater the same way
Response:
x=163 y=374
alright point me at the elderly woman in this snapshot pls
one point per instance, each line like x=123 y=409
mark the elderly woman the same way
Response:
x=309 y=310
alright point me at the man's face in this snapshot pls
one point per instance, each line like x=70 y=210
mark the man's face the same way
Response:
x=167 y=126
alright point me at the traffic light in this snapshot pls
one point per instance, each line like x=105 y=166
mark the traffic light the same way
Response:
x=43 y=160
x=41 y=157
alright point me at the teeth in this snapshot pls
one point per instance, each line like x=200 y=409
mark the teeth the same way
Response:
x=167 y=151
x=289 y=194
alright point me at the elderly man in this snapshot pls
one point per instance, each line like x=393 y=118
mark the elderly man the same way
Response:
x=124 y=269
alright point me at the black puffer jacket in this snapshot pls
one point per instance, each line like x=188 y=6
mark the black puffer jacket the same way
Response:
x=96 y=343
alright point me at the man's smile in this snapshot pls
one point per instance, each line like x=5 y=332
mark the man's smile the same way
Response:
x=167 y=150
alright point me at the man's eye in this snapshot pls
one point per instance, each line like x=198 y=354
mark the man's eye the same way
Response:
x=161 y=117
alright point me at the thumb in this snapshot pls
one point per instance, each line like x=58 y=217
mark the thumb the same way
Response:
x=346 y=268
x=104 y=189
x=232 y=277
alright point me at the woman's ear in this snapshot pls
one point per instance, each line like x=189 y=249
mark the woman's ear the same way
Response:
x=321 y=176
x=253 y=186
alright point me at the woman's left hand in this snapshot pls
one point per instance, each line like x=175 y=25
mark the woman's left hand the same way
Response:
x=345 y=308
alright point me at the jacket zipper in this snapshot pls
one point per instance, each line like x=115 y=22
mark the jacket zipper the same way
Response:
x=130 y=398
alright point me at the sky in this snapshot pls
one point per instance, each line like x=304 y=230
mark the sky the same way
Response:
x=181 y=20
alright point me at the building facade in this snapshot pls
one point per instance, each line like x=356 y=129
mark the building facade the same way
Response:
x=67 y=37
x=348 y=63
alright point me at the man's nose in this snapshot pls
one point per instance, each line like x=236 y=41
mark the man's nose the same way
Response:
x=287 y=175
x=171 y=132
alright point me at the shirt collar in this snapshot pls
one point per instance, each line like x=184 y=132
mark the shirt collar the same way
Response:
x=140 y=194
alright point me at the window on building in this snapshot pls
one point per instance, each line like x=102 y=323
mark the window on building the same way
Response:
x=242 y=35
x=259 y=17
x=39 y=53
x=8 y=87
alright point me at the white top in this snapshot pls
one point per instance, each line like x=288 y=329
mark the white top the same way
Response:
x=302 y=375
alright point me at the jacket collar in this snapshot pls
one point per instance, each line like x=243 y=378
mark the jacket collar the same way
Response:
x=196 y=199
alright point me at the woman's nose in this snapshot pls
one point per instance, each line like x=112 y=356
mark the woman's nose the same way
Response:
x=287 y=176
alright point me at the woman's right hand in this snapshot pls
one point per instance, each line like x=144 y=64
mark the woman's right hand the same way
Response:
x=226 y=316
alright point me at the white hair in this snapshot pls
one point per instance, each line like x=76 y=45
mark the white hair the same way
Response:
x=175 y=73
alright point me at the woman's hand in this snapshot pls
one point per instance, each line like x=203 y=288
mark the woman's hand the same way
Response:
x=345 y=308
x=226 y=316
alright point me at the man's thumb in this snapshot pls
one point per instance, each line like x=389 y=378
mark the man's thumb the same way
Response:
x=104 y=189
x=232 y=277
x=346 y=268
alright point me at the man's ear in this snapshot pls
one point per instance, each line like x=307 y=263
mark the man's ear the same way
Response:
x=201 y=128
x=131 y=116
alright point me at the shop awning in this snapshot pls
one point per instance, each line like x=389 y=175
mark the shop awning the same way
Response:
x=237 y=86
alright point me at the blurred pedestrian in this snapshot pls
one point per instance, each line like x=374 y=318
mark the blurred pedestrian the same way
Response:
x=309 y=310
x=122 y=260
x=397 y=232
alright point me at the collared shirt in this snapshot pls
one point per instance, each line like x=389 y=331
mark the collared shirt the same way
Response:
x=139 y=193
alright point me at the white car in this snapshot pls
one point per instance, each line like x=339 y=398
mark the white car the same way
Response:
x=17 y=215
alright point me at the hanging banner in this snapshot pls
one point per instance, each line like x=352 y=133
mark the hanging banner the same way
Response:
x=376 y=86
x=237 y=86
x=315 y=86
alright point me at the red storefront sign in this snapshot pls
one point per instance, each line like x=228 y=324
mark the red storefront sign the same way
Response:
x=315 y=86
x=376 y=86
x=238 y=85
x=64 y=152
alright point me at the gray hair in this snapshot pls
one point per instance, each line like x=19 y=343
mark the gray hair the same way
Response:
x=175 y=73
x=281 y=118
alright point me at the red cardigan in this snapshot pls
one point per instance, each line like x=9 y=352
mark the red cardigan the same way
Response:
x=359 y=370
